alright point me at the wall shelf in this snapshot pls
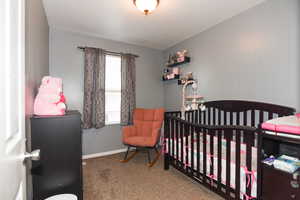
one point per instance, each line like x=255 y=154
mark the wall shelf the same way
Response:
x=186 y=60
x=175 y=78
x=181 y=83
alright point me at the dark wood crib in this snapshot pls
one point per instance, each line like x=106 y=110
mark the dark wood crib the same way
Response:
x=220 y=147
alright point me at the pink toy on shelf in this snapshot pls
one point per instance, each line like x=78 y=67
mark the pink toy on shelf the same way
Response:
x=50 y=99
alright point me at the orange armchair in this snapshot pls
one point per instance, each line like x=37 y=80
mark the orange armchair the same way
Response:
x=144 y=133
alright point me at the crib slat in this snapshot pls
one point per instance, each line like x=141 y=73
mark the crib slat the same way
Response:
x=238 y=165
x=211 y=152
x=192 y=147
x=196 y=117
x=209 y=116
x=231 y=118
x=181 y=141
x=219 y=117
x=168 y=135
x=249 y=140
x=219 y=133
x=228 y=137
x=252 y=118
x=259 y=164
x=270 y=115
x=261 y=116
x=172 y=138
x=198 y=152
x=238 y=118
x=204 y=116
x=225 y=118
x=193 y=116
x=214 y=116
x=200 y=117
x=176 y=140
x=245 y=118
x=187 y=128
x=204 y=154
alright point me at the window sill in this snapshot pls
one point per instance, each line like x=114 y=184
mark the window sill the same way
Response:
x=113 y=124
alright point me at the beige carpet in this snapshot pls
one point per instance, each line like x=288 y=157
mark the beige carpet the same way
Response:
x=107 y=179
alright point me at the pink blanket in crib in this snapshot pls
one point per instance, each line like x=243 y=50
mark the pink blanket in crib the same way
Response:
x=288 y=124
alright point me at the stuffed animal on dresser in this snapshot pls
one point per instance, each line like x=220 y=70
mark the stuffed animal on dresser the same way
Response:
x=50 y=99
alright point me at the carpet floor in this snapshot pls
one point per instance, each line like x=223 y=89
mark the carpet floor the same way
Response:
x=106 y=178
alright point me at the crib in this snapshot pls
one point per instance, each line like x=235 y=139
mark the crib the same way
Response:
x=220 y=146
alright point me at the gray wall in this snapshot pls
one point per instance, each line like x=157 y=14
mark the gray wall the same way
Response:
x=66 y=61
x=37 y=60
x=252 y=56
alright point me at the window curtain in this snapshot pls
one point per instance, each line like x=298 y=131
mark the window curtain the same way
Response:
x=127 y=88
x=94 y=88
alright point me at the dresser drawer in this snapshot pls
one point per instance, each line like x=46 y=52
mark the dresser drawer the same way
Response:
x=277 y=185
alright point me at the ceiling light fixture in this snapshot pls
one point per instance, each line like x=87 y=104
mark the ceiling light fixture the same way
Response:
x=146 y=6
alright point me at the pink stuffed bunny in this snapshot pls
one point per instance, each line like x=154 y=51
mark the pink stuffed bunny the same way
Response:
x=50 y=99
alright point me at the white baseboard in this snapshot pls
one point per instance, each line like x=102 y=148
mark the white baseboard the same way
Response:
x=107 y=153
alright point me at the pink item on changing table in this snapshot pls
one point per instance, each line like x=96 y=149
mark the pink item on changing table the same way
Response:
x=288 y=124
x=50 y=99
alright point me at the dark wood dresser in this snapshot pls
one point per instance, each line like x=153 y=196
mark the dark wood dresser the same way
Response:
x=277 y=184
x=59 y=169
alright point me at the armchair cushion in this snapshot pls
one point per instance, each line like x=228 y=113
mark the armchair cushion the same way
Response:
x=140 y=141
x=128 y=131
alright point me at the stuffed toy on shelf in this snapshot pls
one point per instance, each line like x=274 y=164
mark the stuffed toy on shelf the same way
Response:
x=50 y=99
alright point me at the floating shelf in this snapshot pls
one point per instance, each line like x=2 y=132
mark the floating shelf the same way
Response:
x=180 y=81
x=175 y=78
x=186 y=60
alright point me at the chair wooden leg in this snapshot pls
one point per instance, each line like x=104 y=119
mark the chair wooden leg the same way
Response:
x=126 y=158
x=149 y=156
x=151 y=164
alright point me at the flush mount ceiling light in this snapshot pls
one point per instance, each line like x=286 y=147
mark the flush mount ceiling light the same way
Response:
x=146 y=6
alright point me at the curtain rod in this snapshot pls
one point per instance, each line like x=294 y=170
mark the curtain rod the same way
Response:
x=109 y=52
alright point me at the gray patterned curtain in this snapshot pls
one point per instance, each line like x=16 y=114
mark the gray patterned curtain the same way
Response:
x=128 y=88
x=94 y=88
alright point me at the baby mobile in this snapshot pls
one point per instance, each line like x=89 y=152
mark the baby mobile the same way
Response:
x=193 y=101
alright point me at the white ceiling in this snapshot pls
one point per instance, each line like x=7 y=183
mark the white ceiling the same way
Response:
x=172 y=22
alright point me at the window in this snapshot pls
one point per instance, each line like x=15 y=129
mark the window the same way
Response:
x=112 y=89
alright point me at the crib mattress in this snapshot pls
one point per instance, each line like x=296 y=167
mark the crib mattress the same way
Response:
x=244 y=172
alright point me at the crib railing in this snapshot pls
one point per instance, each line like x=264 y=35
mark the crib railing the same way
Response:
x=223 y=122
x=235 y=112
x=192 y=136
